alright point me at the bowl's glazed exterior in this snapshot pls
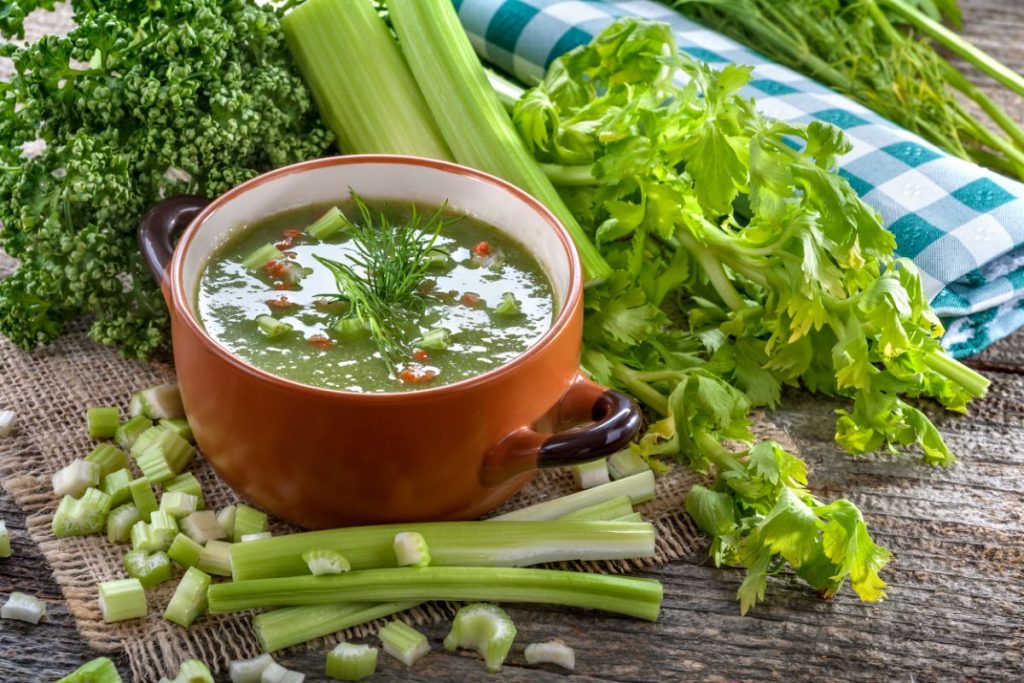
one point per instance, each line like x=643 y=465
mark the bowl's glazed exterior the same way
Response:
x=320 y=457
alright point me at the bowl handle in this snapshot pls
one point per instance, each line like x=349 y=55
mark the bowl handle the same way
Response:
x=614 y=420
x=161 y=227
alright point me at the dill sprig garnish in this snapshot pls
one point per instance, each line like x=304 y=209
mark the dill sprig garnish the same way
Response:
x=393 y=257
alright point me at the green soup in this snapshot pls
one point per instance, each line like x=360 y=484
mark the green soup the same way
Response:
x=477 y=308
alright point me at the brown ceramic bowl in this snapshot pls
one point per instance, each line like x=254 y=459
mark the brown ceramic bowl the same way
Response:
x=321 y=457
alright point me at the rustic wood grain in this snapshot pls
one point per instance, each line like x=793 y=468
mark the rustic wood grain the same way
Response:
x=955 y=610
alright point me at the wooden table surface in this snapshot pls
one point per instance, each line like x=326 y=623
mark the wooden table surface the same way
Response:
x=955 y=610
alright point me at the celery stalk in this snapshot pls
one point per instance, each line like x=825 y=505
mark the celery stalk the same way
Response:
x=281 y=628
x=189 y=599
x=122 y=600
x=102 y=421
x=626 y=463
x=639 y=488
x=587 y=475
x=609 y=510
x=635 y=597
x=450 y=543
x=215 y=558
x=469 y=114
x=360 y=81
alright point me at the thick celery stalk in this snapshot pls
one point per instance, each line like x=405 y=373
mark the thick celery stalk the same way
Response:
x=636 y=597
x=360 y=81
x=469 y=114
x=639 y=488
x=459 y=544
x=289 y=626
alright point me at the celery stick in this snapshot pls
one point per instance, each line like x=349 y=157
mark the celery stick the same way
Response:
x=411 y=549
x=117 y=485
x=626 y=463
x=127 y=433
x=155 y=467
x=259 y=258
x=552 y=652
x=450 y=543
x=609 y=510
x=249 y=670
x=74 y=479
x=179 y=426
x=187 y=483
x=468 y=113
x=5 y=540
x=631 y=518
x=158 y=534
x=509 y=306
x=184 y=551
x=587 y=475
x=248 y=520
x=143 y=497
x=249 y=538
x=178 y=504
x=226 y=519
x=281 y=628
x=120 y=522
x=329 y=224
x=275 y=673
x=23 y=607
x=434 y=339
x=215 y=558
x=193 y=671
x=99 y=670
x=122 y=600
x=322 y=562
x=109 y=458
x=189 y=599
x=81 y=516
x=624 y=595
x=151 y=569
x=271 y=327
x=162 y=402
x=485 y=628
x=8 y=420
x=639 y=488
x=203 y=526
x=378 y=110
x=143 y=440
x=351 y=662
x=403 y=642
x=176 y=451
x=102 y=421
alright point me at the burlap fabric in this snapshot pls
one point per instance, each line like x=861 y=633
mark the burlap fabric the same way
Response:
x=51 y=388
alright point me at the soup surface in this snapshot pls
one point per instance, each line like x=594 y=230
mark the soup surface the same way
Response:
x=483 y=301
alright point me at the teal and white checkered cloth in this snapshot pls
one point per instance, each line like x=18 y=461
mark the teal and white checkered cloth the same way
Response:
x=963 y=225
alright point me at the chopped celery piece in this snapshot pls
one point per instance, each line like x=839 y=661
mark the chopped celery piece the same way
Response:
x=509 y=306
x=281 y=628
x=322 y=562
x=23 y=607
x=117 y=485
x=351 y=662
x=215 y=558
x=434 y=339
x=275 y=673
x=99 y=670
x=130 y=431
x=609 y=510
x=350 y=328
x=102 y=421
x=587 y=475
x=176 y=451
x=203 y=526
x=184 y=551
x=439 y=259
x=248 y=520
x=329 y=224
x=81 y=516
x=155 y=467
x=143 y=497
x=552 y=652
x=485 y=628
x=162 y=402
x=626 y=463
x=226 y=519
x=120 y=522
x=74 y=479
x=8 y=419
x=259 y=258
x=135 y=406
x=326 y=37
x=249 y=670
x=631 y=596
x=189 y=599
x=403 y=642
x=271 y=327
x=151 y=569
x=143 y=440
x=109 y=458
x=249 y=538
x=639 y=488
x=468 y=113
x=179 y=426
x=193 y=671
x=5 y=540
x=122 y=600
x=158 y=534
x=450 y=543
x=411 y=549
x=178 y=504
x=187 y=483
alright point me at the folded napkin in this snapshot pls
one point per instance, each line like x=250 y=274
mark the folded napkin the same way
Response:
x=962 y=225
